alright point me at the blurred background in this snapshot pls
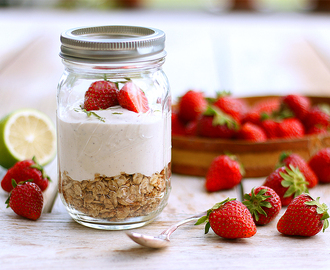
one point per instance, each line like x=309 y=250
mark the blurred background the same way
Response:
x=248 y=47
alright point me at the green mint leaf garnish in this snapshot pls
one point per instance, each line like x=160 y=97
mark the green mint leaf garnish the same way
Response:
x=90 y=113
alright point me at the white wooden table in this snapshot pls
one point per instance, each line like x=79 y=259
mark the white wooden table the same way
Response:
x=246 y=53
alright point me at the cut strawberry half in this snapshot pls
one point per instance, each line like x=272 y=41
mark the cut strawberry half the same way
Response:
x=132 y=98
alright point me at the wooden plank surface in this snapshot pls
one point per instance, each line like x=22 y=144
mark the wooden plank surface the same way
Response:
x=56 y=241
x=234 y=48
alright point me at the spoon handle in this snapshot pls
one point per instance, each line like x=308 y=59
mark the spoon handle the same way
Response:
x=171 y=229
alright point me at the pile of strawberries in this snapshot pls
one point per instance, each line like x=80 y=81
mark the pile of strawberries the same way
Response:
x=227 y=117
x=287 y=185
x=25 y=183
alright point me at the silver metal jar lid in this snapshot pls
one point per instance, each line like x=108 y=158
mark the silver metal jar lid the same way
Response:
x=113 y=43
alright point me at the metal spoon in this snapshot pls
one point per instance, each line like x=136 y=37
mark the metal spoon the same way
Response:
x=163 y=239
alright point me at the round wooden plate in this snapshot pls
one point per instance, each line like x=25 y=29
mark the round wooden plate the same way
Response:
x=193 y=155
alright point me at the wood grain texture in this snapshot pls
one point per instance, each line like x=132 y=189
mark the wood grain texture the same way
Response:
x=55 y=241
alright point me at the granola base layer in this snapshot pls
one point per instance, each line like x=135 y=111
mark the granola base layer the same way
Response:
x=115 y=198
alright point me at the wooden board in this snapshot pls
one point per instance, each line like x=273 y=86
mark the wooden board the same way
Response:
x=56 y=241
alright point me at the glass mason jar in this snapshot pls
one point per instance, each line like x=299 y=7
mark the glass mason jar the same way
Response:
x=114 y=162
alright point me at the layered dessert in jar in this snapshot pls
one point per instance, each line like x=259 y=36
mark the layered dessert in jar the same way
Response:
x=114 y=162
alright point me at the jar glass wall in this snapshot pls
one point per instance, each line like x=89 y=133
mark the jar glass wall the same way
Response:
x=114 y=163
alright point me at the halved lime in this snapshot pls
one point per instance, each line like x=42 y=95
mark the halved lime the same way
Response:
x=26 y=133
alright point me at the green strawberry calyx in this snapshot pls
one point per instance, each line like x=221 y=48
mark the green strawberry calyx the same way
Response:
x=235 y=158
x=205 y=218
x=321 y=209
x=281 y=159
x=39 y=167
x=324 y=108
x=220 y=118
x=256 y=202
x=294 y=180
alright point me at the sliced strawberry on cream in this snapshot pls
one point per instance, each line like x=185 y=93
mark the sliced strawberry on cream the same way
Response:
x=132 y=98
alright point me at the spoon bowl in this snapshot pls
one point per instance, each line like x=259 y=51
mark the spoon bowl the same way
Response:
x=162 y=240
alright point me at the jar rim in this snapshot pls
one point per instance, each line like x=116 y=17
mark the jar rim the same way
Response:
x=112 y=43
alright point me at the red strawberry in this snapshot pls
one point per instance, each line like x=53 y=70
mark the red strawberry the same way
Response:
x=132 y=98
x=26 y=200
x=234 y=107
x=299 y=105
x=191 y=128
x=251 y=132
x=318 y=116
x=320 y=164
x=297 y=161
x=263 y=203
x=178 y=127
x=288 y=182
x=267 y=106
x=229 y=219
x=225 y=172
x=23 y=171
x=270 y=127
x=191 y=105
x=216 y=124
x=290 y=128
x=101 y=95
x=317 y=130
x=304 y=217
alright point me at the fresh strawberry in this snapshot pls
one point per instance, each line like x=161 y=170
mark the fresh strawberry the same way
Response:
x=229 y=219
x=270 y=127
x=266 y=106
x=251 y=132
x=23 y=171
x=216 y=124
x=320 y=164
x=234 y=107
x=132 y=98
x=290 y=128
x=299 y=105
x=297 y=161
x=101 y=95
x=191 y=128
x=304 y=217
x=225 y=172
x=317 y=130
x=191 y=105
x=319 y=116
x=288 y=183
x=263 y=203
x=178 y=127
x=26 y=200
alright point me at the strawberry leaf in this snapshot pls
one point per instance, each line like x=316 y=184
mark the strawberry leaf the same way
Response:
x=321 y=209
x=294 y=180
x=201 y=220
x=255 y=202
x=207 y=227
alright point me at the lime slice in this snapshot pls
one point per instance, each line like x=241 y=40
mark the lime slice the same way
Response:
x=26 y=133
